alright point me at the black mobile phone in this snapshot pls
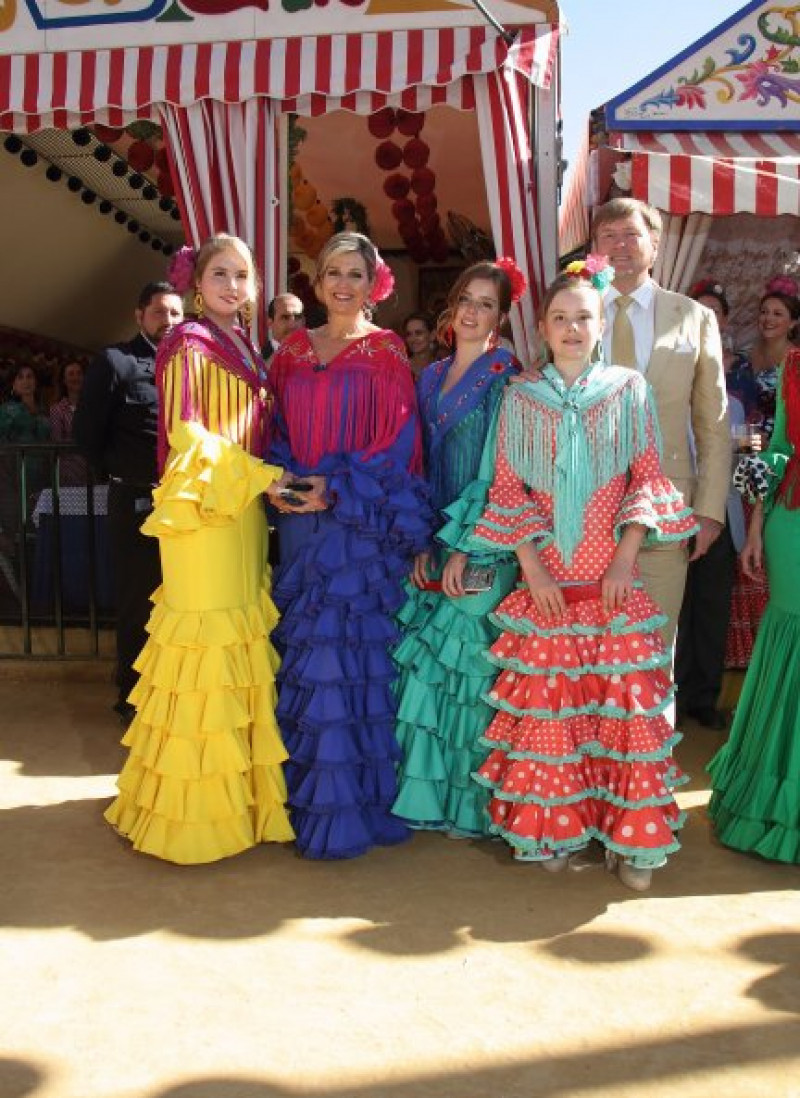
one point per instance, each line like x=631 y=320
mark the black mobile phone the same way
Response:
x=299 y=486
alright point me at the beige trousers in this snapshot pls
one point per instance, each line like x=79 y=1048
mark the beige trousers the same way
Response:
x=663 y=571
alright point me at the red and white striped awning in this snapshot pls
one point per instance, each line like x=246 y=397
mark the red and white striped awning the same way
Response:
x=410 y=68
x=715 y=185
x=751 y=144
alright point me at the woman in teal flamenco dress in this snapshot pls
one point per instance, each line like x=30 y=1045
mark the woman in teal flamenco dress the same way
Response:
x=579 y=746
x=443 y=671
x=755 y=804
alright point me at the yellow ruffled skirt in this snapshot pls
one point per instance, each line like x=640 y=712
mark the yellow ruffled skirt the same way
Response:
x=204 y=777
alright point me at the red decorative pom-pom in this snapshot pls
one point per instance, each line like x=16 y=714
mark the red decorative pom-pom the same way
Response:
x=440 y=251
x=430 y=223
x=517 y=279
x=140 y=156
x=388 y=156
x=419 y=253
x=162 y=160
x=427 y=204
x=416 y=153
x=381 y=124
x=423 y=180
x=409 y=123
x=403 y=211
x=396 y=186
x=166 y=188
x=107 y=134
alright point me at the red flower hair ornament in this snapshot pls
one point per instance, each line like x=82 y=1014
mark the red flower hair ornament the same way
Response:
x=180 y=272
x=782 y=284
x=515 y=276
x=383 y=284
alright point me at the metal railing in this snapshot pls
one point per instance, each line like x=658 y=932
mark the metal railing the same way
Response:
x=55 y=568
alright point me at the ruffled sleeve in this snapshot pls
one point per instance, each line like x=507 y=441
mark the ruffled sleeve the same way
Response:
x=505 y=515
x=652 y=500
x=208 y=481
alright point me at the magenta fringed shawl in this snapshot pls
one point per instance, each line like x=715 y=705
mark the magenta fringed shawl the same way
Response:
x=360 y=401
x=213 y=344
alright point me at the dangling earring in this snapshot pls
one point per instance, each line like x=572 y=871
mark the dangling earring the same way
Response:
x=598 y=351
x=494 y=339
x=247 y=313
x=449 y=335
x=199 y=305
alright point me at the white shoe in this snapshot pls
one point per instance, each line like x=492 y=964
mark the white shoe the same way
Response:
x=637 y=879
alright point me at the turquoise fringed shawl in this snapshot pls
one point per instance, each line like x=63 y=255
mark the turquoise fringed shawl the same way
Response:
x=570 y=441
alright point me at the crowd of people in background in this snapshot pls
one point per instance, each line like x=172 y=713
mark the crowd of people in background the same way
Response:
x=483 y=572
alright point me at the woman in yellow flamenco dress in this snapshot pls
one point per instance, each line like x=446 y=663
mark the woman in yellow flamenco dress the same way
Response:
x=204 y=777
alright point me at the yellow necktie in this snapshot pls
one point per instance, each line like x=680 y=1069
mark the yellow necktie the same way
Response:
x=623 y=347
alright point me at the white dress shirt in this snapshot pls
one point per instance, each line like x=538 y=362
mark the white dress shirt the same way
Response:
x=642 y=315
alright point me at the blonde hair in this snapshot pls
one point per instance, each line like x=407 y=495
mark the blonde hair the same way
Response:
x=344 y=243
x=224 y=242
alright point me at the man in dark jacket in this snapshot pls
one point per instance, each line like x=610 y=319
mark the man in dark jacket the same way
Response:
x=115 y=425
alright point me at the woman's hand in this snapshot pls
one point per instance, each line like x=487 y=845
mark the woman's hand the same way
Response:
x=752 y=556
x=421 y=571
x=616 y=586
x=302 y=503
x=548 y=598
x=453 y=575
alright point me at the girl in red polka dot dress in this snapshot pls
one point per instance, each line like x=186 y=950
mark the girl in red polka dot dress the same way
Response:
x=580 y=746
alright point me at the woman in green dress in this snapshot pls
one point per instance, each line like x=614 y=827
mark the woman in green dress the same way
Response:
x=755 y=805
x=446 y=631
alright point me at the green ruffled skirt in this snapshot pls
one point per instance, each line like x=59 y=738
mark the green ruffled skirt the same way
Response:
x=443 y=673
x=755 y=805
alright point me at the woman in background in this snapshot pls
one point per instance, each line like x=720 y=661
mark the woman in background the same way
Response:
x=753 y=379
x=73 y=470
x=420 y=341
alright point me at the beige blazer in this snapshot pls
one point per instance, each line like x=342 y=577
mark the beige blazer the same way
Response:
x=688 y=380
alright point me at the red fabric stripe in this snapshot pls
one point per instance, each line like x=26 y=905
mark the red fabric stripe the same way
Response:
x=5 y=88
x=384 y=52
x=30 y=93
x=291 y=73
x=233 y=61
x=144 y=78
x=640 y=176
x=766 y=189
x=58 y=93
x=721 y=144
x=352 y=65
x=324 y=65
x=86 y=84
x=116 y=60
x=680 y=185
x=444 y=68
x=172 y=79
x=723 y=181
x=415 y=60
x=202 y=72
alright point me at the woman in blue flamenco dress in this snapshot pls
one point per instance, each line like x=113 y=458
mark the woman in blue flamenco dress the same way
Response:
x=443 y=668
x=755 y=804
x=344 y=423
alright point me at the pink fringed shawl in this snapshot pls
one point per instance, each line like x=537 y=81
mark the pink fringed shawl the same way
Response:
x=360 y=401
x=210 y=342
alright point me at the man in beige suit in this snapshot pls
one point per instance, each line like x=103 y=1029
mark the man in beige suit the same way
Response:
x=675 y=343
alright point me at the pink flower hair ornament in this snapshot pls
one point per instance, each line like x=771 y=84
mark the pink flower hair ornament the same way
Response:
x=180 y=271
x=519 y=283
x=595 y=269
x=782 y=284
x=383 y=284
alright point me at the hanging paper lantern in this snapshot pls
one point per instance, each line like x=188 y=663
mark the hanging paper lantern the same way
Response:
x=403 y=210
x=416 y=153
x=426 y=204
x=304 y=196
x=396 y=186
x=381 y=124
x=317 y=215
x=423 y=180
x=296 y=173
x=409 y=123
x=440 y=251
x=388 y=156
x=140 y=156
x=107 y=134
x=165 y=185
x=161 y=159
